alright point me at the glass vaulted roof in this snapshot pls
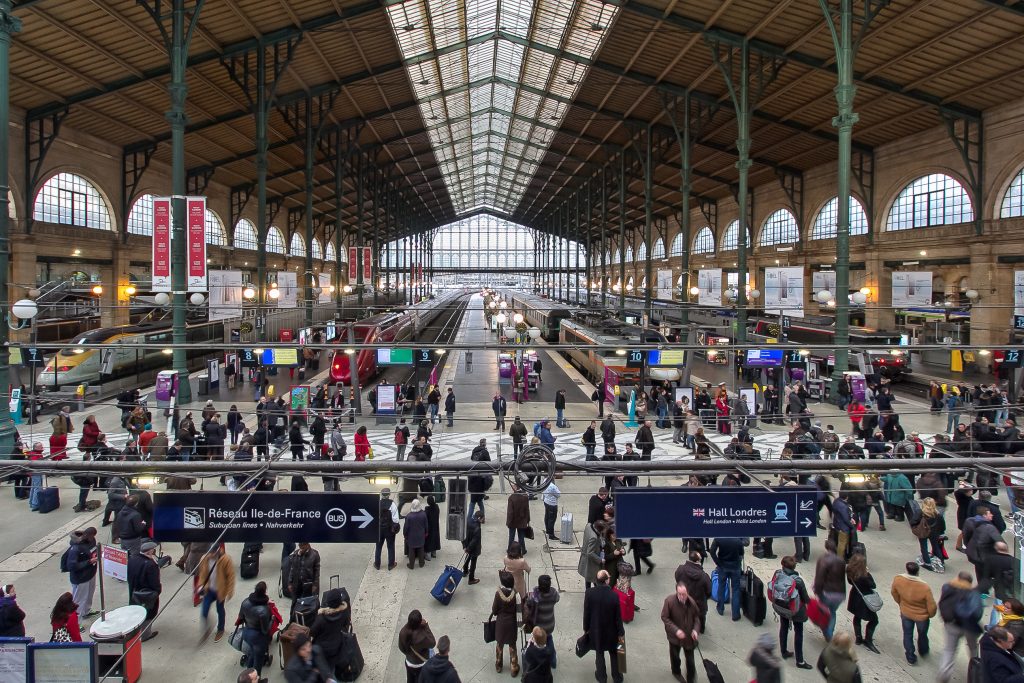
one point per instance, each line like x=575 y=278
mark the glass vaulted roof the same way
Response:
x=494 y=79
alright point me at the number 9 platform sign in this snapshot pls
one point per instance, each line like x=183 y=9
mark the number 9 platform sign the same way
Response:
x=715 y=512
x=265 y=517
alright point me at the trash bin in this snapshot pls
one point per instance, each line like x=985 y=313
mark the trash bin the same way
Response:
x=118 y=643
x=204 y=384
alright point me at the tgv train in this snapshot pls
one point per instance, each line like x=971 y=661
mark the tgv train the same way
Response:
x=386 y=328
x=616 y=334
x=544 y=314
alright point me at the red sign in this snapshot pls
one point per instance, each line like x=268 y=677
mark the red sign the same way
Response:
x=353 y=265
x=196 y=244
x=367 y=265
x=161 y=244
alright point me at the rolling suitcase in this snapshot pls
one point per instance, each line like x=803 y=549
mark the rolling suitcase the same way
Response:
x=711 y=669
x=282 y=586
x=350 y=658
x=49 y=499
x=249 y=566
x=285 y=638
x=753 y=600
x=566 y=535
x=446 y=584
x=305 y=609
x=334 y=584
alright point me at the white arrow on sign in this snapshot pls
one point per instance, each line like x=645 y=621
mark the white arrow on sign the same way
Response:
x=807 y=523
x=806 y=504
x=365 y=517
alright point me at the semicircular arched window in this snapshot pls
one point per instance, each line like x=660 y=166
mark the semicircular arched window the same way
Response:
x=275 y=240
x=677 y=245
x=318 y=251
x=245 y=235
x=704 y=242
x=297 y=247
x=70 y=199
x=215 y=230
x=140 y=218
x=779 y=228
x=1013 y=200
x=331 y=256
x=826 y=223
x=931 y=200
x=659 y=249
x=730 y=240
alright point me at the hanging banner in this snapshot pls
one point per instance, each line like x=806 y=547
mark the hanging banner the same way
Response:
x=161 y=244
x=324 y=282
x=225 y=294
x=709 y=281
x=196 y=230
x=912 y=288
x=823 y=280
x=664 y=290
x=784 y=291
x=353 y=265
x=1018 y=292
x=288 y=285
x=367 y=265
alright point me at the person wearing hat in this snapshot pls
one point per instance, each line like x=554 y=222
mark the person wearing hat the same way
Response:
x=332 y=621
x=387 y=527
x=307 y=665
x=416 y=532
x=144 y=587
x=767 y=666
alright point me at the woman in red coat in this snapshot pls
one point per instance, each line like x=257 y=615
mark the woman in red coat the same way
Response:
x=722 y=409
x=64 y=620
x=362 y=443
x=90 y=436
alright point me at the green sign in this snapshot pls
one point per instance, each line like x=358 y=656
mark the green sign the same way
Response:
x=300 y=399
x=394 y=356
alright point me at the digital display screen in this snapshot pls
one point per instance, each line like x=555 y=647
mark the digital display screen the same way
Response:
x=764 y=358
x=394 y=356
x=280 y=357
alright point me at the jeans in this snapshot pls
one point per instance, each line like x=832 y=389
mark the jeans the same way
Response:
x=602 y=673
x=469 y=568
x=400 y=456
x=559 y=417
x=550 y=516
x=258 y=644
x=83 y=495
x=953 y=635
x=732 y=576
x=908 y=637
x=522 y=540
x=952 y=420
x=499 y=422
x=1002 y=415
x=936 y=549
x=832 y=601
x=209 y=598
x=798 y=636
x=433 y=413
x=474 y=500
x=675 y=663
x=802 y=548
x=451 y=418
x=843 y=402
x=389 y=539
x=677 y=435
x=82 y=594
x=591 y=449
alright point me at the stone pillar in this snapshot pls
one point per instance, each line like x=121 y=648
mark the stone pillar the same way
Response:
x=991 y=316
x=878 y=312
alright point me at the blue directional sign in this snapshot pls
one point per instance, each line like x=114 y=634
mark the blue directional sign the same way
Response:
x=267 y=517
x=715 y=512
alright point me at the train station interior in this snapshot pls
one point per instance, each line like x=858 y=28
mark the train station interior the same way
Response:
x=225 y=226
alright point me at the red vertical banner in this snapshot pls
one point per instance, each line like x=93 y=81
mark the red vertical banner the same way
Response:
x=196 y=231
x=161 y=244
x=367 y=265
x=353 y=265
x=420 y=270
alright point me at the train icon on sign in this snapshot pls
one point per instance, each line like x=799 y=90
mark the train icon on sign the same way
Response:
x=781 y=512
x=195 y=518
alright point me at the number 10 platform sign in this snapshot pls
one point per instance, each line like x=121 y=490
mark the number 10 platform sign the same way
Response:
x=715 y=512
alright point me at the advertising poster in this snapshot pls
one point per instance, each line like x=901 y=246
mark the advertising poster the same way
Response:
x=115 y=563
x=386 y=396
x=664 y=290
x=784 y=291
x=709 y=281
x=911 y=288
x=196 y=231
x=288 y=285
x=161 y=244
x=324 y=282
x=225 y=294
x=1018 y=292
x=685 y=394
x=353 y=265
x=367 y=265
x=823 y=280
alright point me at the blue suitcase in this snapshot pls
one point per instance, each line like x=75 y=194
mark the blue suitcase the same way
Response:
x=49 y=499
x=715 y=579
x=446 y=584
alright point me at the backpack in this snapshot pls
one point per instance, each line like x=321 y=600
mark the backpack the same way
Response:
x=536 y=428
x=785 y=596
x=968 y=606
x=65 y=562
x=399 y=436
x=830 y=442
x=922 y=529
x=913 y=512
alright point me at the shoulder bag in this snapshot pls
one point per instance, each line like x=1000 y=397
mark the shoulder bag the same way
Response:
x=872 y=600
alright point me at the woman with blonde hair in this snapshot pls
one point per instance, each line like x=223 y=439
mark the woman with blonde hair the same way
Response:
x=838 y=662
x=930 y=529
x=863 y=584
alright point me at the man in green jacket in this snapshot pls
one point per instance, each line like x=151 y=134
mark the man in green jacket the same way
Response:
x=897 y=491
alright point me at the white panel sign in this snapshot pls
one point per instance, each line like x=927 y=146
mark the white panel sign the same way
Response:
x=324 y=282
x=1018 y=293
x=784 y=291
x=287 y=284
x=912 y=288
x=664 y=290
x=709 y=281
x=225 y=294
x=823 y=280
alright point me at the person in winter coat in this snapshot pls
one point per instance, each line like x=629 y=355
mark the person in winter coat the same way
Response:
x=215 y=434
x=545 y=597
x=538 y=659
x=217 y=585
x=796 y=616
x=472 y=546
x=307 y=665
x=235 y=423
x=998 y=663
x=64 y=621
x=296 y=443
x=645 y=440
x=129 y=526
x=589 y=440
x=838 y=662
x=416 y=533
x=504 y=609
x=12 y=618
x=499 y=406
x=1012 y=619
x=861 y=583
x=961 y=609
x=362 y=444
x=449 y=407
x=433 y=529
x=767 y=666
x=830 y=583
x=917 y=607
x=727 y=554
x=516 y=565
x=681 y=618
x=144 y=586
x=90 y=435
x=980 y=537
x=517 y=432
x=560 y=409
x=932 y=531
x=254 y=617
x=318 y=430
x=117 y=495
x=897 y=491
x=81 y=562
x=415 y=641
x=698 y=584
x=517 y=516
x=590 y=552
x=332 y=620
x=608 y=430
x=602 y=625
x=439 y=668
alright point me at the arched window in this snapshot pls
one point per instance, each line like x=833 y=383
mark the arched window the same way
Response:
x=607 y=257
x=659 y=249
x=140 y=219
x=826 y=225
x=641 y=252
x=318 y=251
x=704 y=242
x=730 y=240
x=297 y=246
x=617 y=258
x=930 y=200
x=628 y=258
x=245 y=235
x=70 y=199
x=677 y=245
x=779 y=228
x=1013 y=200
x=12 y=210
x=215 y=230
x=275 y=240
x=331 y=256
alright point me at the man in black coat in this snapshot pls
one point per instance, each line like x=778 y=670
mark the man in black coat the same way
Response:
x=472 y=545
x=499 y=406
x=608 y=430
x=449 y=407
x=645 y=440
x=144 y=587
x=479 y=483
x=602 y=624
x=598 y=503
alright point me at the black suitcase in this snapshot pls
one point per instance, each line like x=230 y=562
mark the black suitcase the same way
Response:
x=753 y=600
x=49 y=499
x=350 y=658
x=249 y=566
x=305 y=609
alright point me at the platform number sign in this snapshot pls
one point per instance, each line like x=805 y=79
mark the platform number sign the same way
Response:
x=1011 y=358
x=249 y=358
x=422 y=357
x=635 y=358
x=1018 y=322
x=32 y=357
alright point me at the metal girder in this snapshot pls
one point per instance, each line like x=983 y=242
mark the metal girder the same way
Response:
x=240 y=195
x=1013 y=6
x=40 y=134
x=762 y=47
x=133 y=166
x=280 y=34
x=496 y=80
x=198 y=179
x=499 y=34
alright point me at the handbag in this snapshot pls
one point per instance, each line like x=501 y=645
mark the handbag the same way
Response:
x=490 y=630
x=145 y=597
x=236 y=641
x=818 y=613
x=583 y=645
x=620 y=653
x=872 y=600
x=528 y=533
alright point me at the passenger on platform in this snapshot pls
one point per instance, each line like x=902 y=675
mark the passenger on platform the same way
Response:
x=537 y=367
x=61 y=424
x=64 y=621
x=499 y=406
x=596 y=507
x=362 y=444
x=215 y=434
x=433 y=402
x=678 y=423
x=722 y=411
x=318 y=430
x=862 y=583
x=917 y=607
x=296 y=442
x=589 y=440
x=402 y=436
x=645 y=440
x=602 y=623
x=472 y=545
x=415 y=641
x=830 y=579
x=608 y=430
x=517 y=516
x=598 y=398
x=424 y=432
x=703 y=403
x=640 y=406
x=560 y=409
x=12 y=617
x=433 y=528
x=416 y=533
x=449 y=407
x=144 y=585
x=81 y=562
x=518 y=434
x=387 y=528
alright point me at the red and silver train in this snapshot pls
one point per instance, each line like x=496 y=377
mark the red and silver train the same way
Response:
x=386 y=329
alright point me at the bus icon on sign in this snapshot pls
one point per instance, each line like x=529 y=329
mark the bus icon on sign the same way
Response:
x=781 y=512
